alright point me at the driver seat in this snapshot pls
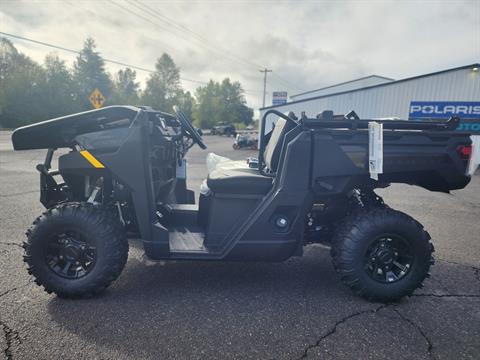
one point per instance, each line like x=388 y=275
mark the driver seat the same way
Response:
x=251 y=181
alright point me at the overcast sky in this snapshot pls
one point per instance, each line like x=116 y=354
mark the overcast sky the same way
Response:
x=307 y=44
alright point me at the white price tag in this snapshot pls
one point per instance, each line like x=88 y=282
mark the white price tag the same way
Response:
x=375 y=149
x=475 y=157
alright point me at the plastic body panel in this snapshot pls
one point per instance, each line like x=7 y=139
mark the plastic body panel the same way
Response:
x=225 y=212
x=426 y=159
x=131 y=165
x=60 y=132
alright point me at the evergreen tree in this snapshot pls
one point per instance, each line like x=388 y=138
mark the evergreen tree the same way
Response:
x=163 y=86
x=22 y=82
x=59 y=88
x=30 y=92
x=186 y=102
x=125 y=88
x=89 y=73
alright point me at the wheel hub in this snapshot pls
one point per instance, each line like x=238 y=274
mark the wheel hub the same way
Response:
x=384 y=257
x=69 y=255
x=388 y=259
x=72 y=252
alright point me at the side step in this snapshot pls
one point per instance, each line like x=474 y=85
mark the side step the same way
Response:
x=186 y=240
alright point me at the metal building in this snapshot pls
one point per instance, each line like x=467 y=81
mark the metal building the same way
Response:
x=436 y=95
x=344 y=86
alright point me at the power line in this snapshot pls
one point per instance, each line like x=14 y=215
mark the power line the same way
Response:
x=38 y=42
x=196 y=35
x=206 y=43
x=79 y=53
x=172 y=22
x=168 y=29
x=286 y=82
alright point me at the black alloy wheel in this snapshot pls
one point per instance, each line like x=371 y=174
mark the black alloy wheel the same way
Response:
x=70 y=255
x=388 y=259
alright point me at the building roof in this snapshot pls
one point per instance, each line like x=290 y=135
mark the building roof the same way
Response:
x=477 y=65
x=345 y=83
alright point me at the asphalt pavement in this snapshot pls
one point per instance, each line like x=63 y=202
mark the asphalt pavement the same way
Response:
x=204 y=310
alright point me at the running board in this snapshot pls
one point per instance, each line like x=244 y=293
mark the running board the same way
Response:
x=186 y=240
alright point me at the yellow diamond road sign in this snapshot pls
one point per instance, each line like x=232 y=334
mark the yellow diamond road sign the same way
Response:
x=96 y=99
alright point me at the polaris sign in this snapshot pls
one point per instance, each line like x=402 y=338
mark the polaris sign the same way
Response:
x=444 y=109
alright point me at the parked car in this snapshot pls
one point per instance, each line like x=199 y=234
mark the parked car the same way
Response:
x=224 y=129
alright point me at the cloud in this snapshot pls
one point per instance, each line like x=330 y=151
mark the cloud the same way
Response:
x=307 y=44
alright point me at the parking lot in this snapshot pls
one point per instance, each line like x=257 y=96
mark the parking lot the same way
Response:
x=291 y=310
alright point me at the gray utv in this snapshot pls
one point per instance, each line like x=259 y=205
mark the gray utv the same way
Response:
x=124 y=176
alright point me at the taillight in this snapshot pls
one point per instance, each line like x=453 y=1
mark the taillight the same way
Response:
x=464 y=151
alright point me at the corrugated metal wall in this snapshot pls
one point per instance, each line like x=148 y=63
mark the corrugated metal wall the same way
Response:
x=347 y=86
x=393 y=100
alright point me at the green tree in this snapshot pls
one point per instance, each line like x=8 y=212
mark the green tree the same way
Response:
x=125 y=88
x=163 y=86
x=234 y=108
x=89 y=73
x=221 y=102
x=208 y=103
x=59 y=88
x=22 y=82
x=186 y=102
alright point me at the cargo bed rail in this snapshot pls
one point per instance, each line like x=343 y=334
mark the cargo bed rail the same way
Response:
x=351 y=121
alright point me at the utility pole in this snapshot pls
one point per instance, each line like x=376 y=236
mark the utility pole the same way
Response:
x=264 y=71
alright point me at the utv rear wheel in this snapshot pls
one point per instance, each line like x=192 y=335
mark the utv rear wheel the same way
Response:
x=382 y=254
x=75 y=250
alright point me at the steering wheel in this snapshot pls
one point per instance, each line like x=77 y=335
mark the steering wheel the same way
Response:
x=187 y=126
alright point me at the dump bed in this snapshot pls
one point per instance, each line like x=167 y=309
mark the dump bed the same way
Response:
x=433 y=160
x=428 y=154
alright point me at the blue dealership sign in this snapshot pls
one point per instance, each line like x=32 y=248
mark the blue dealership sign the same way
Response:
x=279 y=97
x=467 y=111
x=444 y=109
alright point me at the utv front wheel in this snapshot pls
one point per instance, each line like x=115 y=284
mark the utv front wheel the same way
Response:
x=75 y=250
x=382 y=254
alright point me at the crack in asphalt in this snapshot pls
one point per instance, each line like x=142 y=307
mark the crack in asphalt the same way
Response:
x=476 y=270
x=15 y=288
x=333 y=330
x=11 y=336
x=420 y=331
x=424 y=335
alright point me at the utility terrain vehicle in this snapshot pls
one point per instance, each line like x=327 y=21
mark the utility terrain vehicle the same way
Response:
x=124 y=176
x=245 y=141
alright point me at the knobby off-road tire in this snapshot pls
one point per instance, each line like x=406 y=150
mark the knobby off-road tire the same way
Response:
x=359 y=240
x=81 y=226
